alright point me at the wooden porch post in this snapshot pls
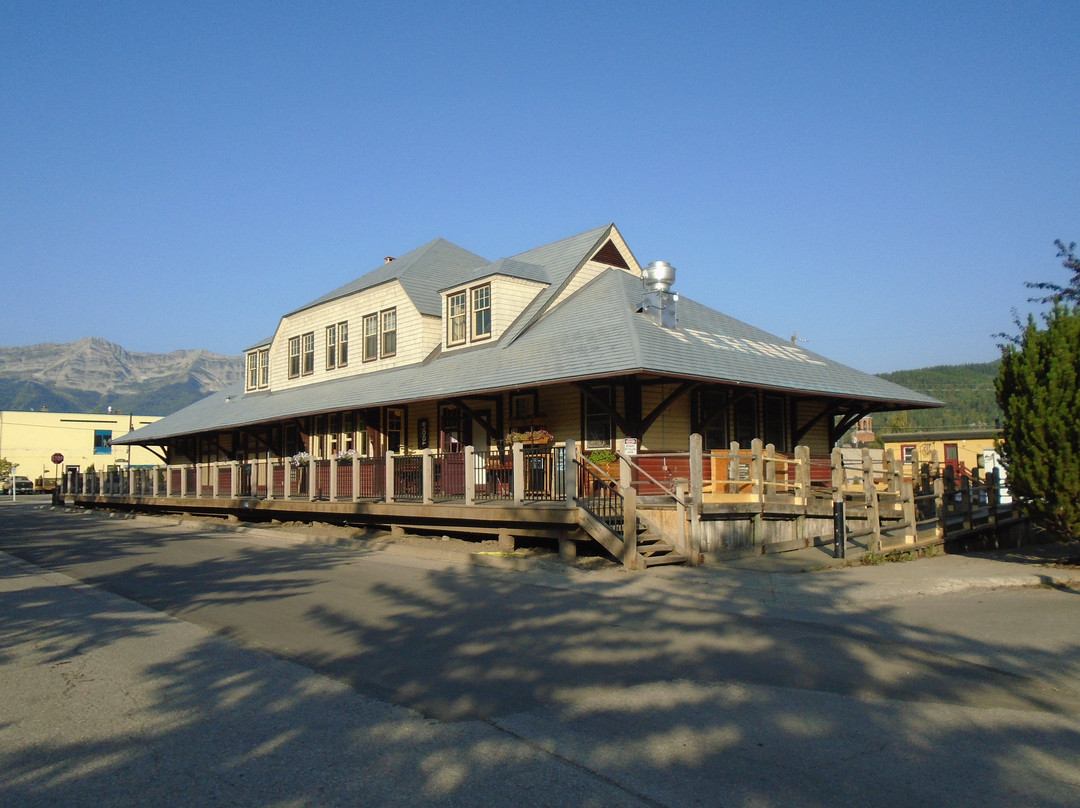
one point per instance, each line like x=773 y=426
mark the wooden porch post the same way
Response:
x=389 y=477
x=427 y=476
x=907 y=502
x=873 y=512
x=518 y=457
x=470 y=475
x=697 y=489
x=631 y=560
x=570 y=477
x=333 y=479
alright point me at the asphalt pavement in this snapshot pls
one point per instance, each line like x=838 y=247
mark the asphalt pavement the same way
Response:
x=107 y=701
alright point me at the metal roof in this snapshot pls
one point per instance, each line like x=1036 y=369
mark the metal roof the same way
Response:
x=596 y=332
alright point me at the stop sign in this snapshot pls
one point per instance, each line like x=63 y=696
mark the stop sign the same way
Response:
x=57 y=459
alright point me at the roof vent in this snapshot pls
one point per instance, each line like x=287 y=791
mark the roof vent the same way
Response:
x=658 y=302
x=658 y=276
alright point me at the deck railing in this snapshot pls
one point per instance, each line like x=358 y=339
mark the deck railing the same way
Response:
x=882 y=501
x=514 y=474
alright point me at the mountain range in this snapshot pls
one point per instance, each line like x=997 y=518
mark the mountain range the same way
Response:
x=92 y=374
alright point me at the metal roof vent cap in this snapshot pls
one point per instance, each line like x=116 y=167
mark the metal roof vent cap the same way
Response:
x=658 y=302
x=658 y=276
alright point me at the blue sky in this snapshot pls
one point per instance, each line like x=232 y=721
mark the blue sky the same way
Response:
x=879 y=177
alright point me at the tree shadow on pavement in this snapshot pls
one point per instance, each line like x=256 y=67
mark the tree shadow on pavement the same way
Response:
x=447 y=684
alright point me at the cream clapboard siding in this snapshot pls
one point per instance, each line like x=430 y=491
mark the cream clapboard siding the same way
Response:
x=510 y=297
x=818 y=436
x=560 y=411
x=431 y=330
x=589 y=271
x=411 y=334
x=671 y=430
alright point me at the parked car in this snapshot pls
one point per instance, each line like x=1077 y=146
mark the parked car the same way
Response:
x=22 y=485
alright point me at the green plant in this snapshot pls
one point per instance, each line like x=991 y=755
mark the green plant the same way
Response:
x=1039 y=391
x=535 y=435
x=603 y=456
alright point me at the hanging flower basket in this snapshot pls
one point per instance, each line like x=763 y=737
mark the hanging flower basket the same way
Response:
x=531 y=437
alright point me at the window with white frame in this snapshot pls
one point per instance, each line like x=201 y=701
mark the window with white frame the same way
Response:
x=457 y=323
x=253 y=370
x=371 y=337
x=389 y=332
x=264 y=368
x=337 y=345
x=481 y=303
x=331 y=347
x=308 y=350
x=343 y=344
x=294 y=357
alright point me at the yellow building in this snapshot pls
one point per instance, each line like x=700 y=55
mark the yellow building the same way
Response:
x=30 y=439
x=963 y=449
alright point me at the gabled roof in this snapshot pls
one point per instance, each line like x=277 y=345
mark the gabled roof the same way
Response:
x=562 y=259
x=596 y=332
x=421 y=273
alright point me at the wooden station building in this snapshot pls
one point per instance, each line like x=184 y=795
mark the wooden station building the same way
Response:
x=440 y=350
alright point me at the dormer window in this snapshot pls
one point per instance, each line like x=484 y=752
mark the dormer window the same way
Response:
x=468 y=315
x=258 y=369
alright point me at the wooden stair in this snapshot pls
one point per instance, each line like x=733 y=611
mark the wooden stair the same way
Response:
x=652 y=549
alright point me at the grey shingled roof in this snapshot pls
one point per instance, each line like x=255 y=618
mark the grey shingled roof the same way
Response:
x=508 y=267
x=595 y=333
x=421 y=273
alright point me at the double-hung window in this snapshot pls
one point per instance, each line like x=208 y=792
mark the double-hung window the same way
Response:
x=458 y=321
x=337 y=345
x=331 y=347
x=252 y=370
x=389 y=332
x=371 y=337
x=481 y=303
x=309 y=353
x=342 y=344
x=264 y=367
x=294 y=357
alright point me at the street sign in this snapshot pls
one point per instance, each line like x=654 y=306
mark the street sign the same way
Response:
x=57 y=459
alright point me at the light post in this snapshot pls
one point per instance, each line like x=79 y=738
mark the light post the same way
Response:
x=14 y=468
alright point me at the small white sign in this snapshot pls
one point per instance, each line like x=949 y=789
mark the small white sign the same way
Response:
x=630 y=447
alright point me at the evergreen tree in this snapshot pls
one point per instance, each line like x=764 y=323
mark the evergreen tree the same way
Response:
x=1038 y=388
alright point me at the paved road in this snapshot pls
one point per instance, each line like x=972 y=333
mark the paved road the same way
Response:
x=615 y=688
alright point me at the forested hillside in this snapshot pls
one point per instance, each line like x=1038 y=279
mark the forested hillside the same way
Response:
x=968 y=390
